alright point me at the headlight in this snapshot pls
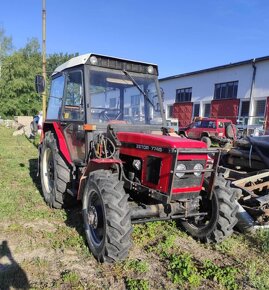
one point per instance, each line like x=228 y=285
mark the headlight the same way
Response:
x=93 y=60
x=150 y=69
x=137 y=164
x=180 y=167
x=198 y=168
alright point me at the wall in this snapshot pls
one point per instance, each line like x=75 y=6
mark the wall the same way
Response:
x=203 y=84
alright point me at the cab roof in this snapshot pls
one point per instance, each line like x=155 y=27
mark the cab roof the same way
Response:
x=85 y=59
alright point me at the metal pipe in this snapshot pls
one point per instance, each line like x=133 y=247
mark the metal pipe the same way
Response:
x=148 y=211
x=252 y=88
x=245 y=222
x=264 y=227
x=44 y=101
x=157 y=210
x=173 y=217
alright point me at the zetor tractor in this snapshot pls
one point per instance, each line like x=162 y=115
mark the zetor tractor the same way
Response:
x=105 y=143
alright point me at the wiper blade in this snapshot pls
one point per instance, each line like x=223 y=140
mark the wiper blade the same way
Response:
x=137 y=85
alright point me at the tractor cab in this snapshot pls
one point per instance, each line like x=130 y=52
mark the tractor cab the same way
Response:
x=97 y=91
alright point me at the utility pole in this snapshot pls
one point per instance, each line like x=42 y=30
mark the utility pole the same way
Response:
x=44 y=101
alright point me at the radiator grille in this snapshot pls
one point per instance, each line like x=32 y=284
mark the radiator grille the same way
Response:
x=189 y=179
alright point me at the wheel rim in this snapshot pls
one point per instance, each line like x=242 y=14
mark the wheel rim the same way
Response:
x=205 y=205
x=48 y=170
x=95 y=218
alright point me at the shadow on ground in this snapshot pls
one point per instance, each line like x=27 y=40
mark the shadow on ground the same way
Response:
x=33 y=169
x=11 y=274
x=73 y=212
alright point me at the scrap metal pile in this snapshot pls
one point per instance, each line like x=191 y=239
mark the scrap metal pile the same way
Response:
x=246 y=169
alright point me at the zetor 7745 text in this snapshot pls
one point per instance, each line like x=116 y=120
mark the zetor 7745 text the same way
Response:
x=105 y=142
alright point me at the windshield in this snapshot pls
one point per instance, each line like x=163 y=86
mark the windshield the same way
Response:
x=127 y=97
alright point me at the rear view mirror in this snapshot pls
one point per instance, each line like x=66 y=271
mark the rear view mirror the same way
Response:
x=39 y=84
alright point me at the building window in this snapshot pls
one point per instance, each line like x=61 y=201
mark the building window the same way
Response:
x=259 y=111
x=244 y=113
x=183 y=95
x=126 y=111
x=169 y=111
x=260 y=108
x=196 y=110
x=226 y=90
x=244 y=109
x=135 y=112
x=207 y=110
x=135 y=100
x=112 y=103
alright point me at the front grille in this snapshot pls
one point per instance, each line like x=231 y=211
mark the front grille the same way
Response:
x=189 y=179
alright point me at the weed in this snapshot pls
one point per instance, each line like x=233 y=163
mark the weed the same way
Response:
x=40 y=263
x=262 y=237
x=258 y=275
x=165 y=247
x=137 y=266
x=181 y=270
x=223 y=275
x=144 y=234
x=137 y=284
x=71 y=279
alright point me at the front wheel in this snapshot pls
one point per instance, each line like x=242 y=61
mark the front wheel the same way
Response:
x=106 y=217
x=220 y=220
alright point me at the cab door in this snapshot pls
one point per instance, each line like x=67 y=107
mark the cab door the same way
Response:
x=73 y=115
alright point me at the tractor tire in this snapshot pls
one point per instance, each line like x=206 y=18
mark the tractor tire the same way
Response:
x=207 y=141
x=221 y=219
x=55 y=174
x=106 y=216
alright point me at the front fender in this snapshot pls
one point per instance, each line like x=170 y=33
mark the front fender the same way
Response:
x=93 y=165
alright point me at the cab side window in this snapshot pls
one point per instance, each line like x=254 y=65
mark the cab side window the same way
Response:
x=55 y=98
x=73 y=107
x=197 y=124
x=212 y=124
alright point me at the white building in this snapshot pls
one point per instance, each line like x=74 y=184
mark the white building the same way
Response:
x=239 y=91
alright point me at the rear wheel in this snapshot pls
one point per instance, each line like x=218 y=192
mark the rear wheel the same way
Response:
x=221 y=212
x=207 y=141
x=106 y=216
x=55 y=174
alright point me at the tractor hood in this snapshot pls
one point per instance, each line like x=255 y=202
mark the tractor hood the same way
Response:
x=157 y=141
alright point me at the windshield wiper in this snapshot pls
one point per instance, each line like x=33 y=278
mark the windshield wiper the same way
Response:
x=137 y=85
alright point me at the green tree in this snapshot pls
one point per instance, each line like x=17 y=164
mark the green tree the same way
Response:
x=17 y=79
x=56 y=59
x=17 y=82
x=5 y=44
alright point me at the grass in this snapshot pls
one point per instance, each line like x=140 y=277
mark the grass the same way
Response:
x=46 y=248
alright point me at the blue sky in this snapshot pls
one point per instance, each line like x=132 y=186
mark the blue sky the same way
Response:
x=179 y=36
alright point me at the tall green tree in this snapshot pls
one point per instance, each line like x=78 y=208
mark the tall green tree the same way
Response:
x=17 y=89
x=6 y=45
x=56 y=59
x=17 y=79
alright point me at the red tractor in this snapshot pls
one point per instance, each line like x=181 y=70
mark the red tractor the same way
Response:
x=105 y=143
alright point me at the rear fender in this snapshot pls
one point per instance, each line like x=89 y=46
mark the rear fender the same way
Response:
x=56 y=127
x=93 y=165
